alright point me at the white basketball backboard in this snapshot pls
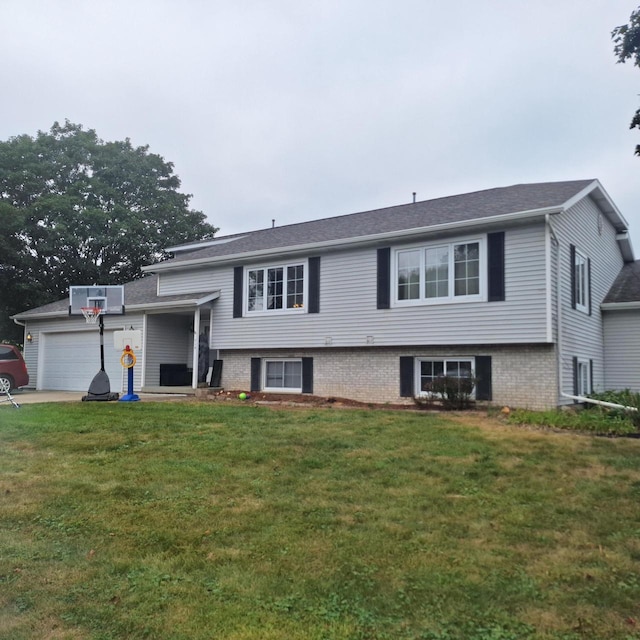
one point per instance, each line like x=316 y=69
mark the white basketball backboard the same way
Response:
x=127 y=337
x=109 y=298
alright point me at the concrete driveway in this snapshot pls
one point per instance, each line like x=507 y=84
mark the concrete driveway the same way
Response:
x=31 y=396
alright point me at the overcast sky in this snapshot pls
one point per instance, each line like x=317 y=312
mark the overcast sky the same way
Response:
x=303 y=109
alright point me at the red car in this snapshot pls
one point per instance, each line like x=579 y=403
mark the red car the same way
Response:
x=13 y=370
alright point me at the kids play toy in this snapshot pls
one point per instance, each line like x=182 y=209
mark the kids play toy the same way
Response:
x=125 y=340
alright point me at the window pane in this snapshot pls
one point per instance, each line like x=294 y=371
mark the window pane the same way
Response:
x=292 y=375
x=256 y=290
x=437 y=272
x=429 y=371
x=409 y=275
x=583 y=378
x=581 y=286
x=283 y=375
x=274 y=288
x=274 y=374
x=295 y=287
x=466 y=269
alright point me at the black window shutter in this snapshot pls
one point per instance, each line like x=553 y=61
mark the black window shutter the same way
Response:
x=238 y=277
x=589 y=282
x=484 y=389
x=590 y=376
x=572 y=259
x=575 y=376
x=384 y=278
x=314 y=285
x=307 y=375
x=495 y=266
x=256 y=366
x=406 y=377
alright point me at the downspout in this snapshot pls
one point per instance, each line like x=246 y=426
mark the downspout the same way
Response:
x=24 y=326
x=602 y=403
x=554 y=237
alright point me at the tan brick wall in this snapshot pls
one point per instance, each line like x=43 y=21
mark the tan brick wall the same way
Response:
x=522 y=376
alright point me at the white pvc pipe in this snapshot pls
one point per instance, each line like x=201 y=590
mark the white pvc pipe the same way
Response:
x=602 y=403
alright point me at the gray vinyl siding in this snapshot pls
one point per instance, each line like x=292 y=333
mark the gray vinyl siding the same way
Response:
x=196 y=281
x=582 y=334
x=622 y=349
x=349 y=318
x=168 y=342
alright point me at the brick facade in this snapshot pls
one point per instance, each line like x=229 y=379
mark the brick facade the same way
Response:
x=522 y=375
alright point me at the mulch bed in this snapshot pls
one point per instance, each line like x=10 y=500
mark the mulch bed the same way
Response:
x=307 y=400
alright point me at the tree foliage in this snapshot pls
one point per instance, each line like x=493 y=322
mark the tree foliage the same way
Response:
x=627 y=46
x=77 y=210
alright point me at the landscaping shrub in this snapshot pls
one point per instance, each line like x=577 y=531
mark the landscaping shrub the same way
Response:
x=452 y=393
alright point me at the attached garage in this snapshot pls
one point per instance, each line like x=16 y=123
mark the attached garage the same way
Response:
x=70 y=359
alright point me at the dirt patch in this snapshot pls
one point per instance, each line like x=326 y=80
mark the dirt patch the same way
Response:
x=299 y=400
x=306 y=400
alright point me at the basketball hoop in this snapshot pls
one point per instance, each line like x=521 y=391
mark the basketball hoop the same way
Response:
x=91 y=314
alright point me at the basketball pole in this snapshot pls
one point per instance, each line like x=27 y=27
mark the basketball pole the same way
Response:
x=100 y=387
x=101 y=321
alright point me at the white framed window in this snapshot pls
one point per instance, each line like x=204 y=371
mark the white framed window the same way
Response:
x=583 y=375
x=581 y=281
x=282 y=375
x=442 y=272
x=430 y=369
x=275 y=288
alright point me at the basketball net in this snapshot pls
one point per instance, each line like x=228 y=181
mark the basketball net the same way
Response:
x=91 y=314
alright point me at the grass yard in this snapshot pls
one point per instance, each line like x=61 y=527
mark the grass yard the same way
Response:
x=200 y=521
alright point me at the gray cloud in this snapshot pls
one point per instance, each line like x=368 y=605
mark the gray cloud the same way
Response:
x=298 y=110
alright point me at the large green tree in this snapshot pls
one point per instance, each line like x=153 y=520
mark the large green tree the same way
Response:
x=627 y=45
x=77 y=210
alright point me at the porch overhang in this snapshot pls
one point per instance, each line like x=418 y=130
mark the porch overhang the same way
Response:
x=159 y=305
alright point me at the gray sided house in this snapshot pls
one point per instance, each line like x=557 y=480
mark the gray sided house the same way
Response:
x=531 y=289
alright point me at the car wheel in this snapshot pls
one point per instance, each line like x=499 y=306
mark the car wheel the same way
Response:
x=6 y=383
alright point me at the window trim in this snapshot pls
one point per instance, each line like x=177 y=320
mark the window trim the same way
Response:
x=580 y=258
x=583 y=364
x=265 y=268
x=263 y=380
x=418 y=360
x=451 y=298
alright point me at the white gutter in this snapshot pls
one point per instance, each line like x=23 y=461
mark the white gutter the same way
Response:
x=368 y=239
x=618 y=306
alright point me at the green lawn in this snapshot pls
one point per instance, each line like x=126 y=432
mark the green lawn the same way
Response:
x=198 y=521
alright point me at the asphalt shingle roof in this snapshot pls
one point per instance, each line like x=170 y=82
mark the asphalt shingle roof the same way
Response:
x=459 y=208
x=626 y=287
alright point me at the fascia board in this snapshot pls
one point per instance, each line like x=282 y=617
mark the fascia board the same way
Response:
x=599 y=194
x=203 y=244
x=362 y=240
x=41 y=316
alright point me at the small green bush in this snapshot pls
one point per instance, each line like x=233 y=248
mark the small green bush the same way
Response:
x=596 y=420
x=625 y=397
x=453 y=393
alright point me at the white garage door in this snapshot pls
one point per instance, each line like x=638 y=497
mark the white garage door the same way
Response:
x=71 y=360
